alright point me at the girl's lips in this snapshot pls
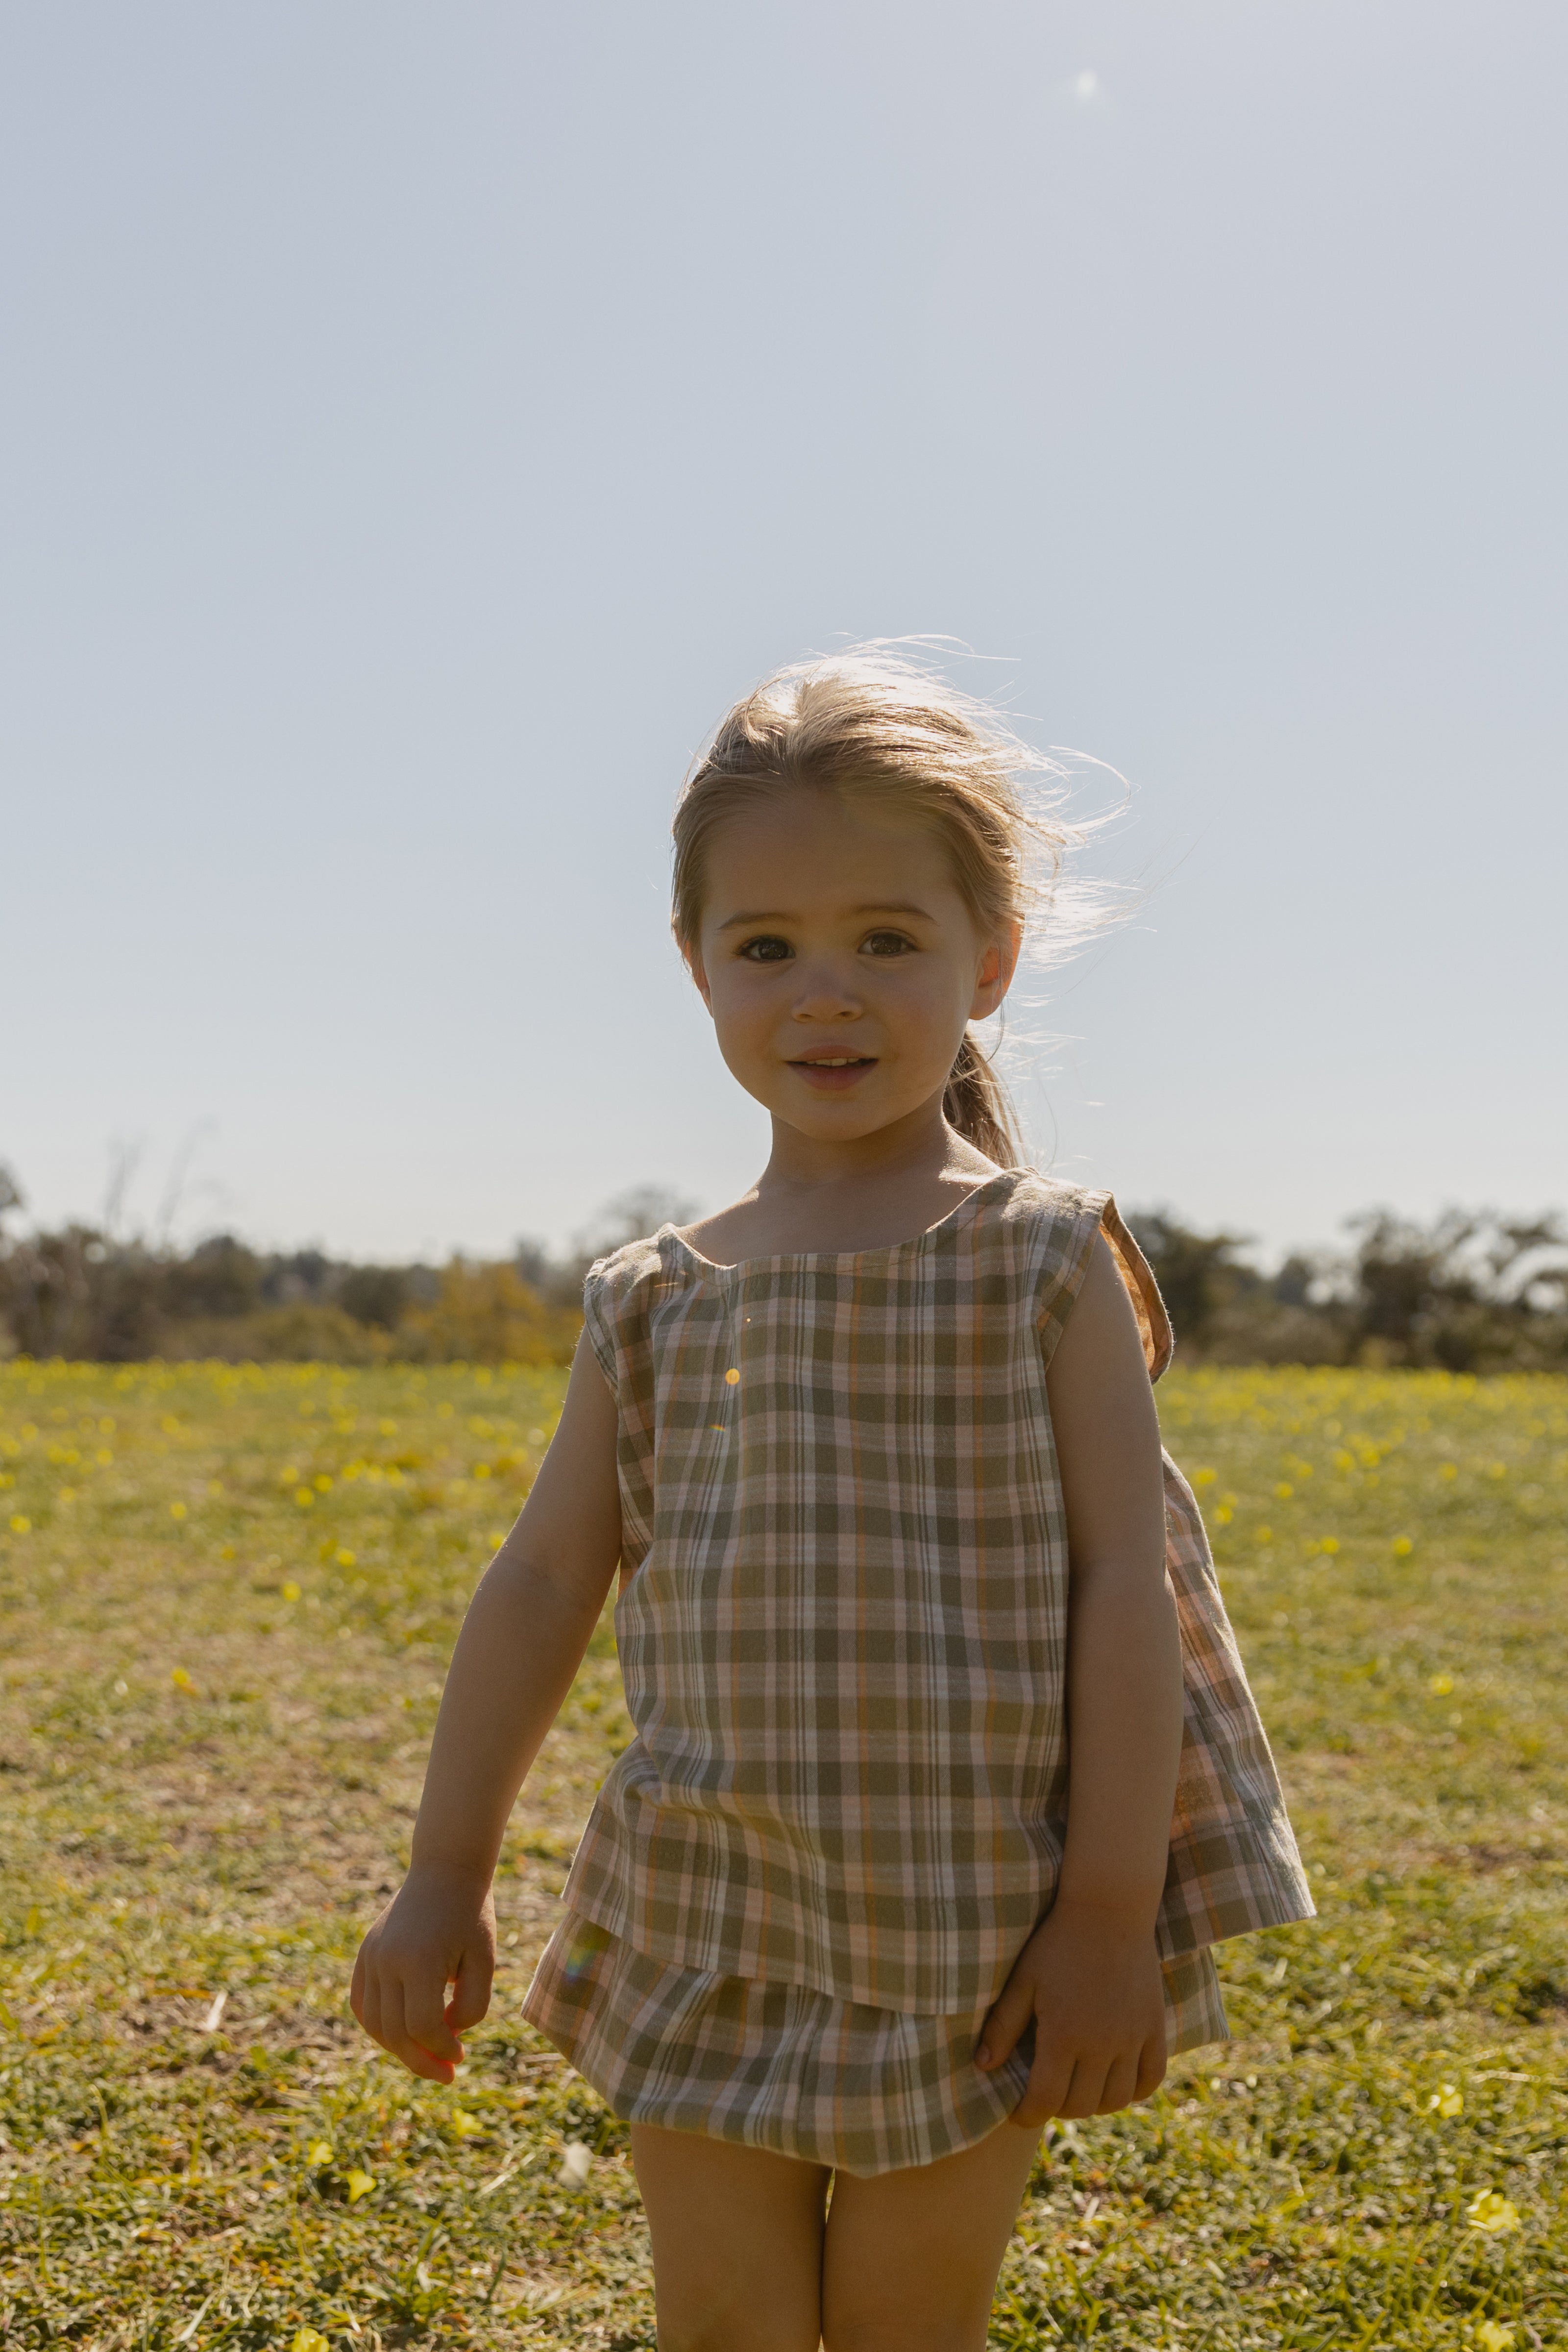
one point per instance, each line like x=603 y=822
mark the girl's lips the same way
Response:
x=831 y=1079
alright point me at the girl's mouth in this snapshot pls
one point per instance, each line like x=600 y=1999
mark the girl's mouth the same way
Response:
x=834 y=1073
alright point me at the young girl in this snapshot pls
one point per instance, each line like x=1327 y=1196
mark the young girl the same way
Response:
x=947 y=1776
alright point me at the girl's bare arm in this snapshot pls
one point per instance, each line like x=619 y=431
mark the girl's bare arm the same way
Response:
x=1090 y=1974
x=522 y=1642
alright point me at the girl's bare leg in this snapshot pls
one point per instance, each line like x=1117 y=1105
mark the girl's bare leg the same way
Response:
x=910 y=2259
x=737 y=2243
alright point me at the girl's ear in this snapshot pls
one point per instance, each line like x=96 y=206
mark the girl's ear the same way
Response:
x=694 y=963
x=997 y=966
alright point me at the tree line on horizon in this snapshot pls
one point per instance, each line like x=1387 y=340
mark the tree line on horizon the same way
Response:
x=1472 y=1291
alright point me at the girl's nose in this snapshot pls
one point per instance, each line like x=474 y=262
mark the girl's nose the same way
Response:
x=827 y=992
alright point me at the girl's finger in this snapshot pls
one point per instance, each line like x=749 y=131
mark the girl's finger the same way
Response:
x=425 y=2016
x=1121 y=2086
x=411 y=2048
x=1049 y=2081
x=471 y=1993
x=1084 y=2091
x=1014 y=2007
x=370 y=2011
x=1151 y=2067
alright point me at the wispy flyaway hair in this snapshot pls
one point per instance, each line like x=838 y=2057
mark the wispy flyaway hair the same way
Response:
x=876 y=728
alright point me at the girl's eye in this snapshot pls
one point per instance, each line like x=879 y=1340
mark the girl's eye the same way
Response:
x=888 y=943
x=766 y=950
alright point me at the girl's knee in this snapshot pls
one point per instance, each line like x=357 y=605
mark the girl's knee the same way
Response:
x=736 y=2331
x=849 y=2326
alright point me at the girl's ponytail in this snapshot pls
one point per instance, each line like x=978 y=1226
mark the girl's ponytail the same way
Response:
x=976 y=1104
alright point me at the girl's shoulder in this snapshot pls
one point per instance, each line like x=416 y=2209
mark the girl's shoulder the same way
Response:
x=616 y=1291
x=1025 y=1196
x=1063 y=1223
x=622 y=1269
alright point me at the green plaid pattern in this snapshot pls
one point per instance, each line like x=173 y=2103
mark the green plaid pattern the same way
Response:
x=787 y=2068
x=842 y=1625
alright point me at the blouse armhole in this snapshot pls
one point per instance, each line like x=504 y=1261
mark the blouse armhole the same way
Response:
x=1098 y=1218
x=1139 y=1279
x=597 y=1298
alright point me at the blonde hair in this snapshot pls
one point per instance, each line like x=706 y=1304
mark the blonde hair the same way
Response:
x=876 y=728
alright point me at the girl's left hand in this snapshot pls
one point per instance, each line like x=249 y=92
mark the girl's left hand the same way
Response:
x=1095 y=1992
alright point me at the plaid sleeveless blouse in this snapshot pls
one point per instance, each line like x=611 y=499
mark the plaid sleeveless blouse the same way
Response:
x=843 y=1612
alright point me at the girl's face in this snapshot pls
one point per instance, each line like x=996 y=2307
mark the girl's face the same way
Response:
x=840 y=963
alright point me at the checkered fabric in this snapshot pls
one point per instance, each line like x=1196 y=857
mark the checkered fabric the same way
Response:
x=782 y=2067
x=842 y=1622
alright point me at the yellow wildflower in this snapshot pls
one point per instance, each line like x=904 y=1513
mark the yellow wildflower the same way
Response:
x=344 y=1558
x=309 y=2339
x=319 y=2155
x=360 y=2184
x=291 y=1591
x=177 y=1510
x=1492 y=2337
x=1403 y=1546
x=1447 y=2100
x=181 y=1680
x=1493 y=2212
x=21 y=1525
x=1440 y=1685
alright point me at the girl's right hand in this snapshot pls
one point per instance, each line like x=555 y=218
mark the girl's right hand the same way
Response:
x=439 y=1929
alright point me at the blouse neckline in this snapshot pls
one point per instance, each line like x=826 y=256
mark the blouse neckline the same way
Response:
x=776 y=1261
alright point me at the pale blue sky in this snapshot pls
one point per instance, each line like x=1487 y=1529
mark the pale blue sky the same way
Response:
x=416 y=423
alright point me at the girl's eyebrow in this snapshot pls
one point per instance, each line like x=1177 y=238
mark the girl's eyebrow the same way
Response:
x=878 y=907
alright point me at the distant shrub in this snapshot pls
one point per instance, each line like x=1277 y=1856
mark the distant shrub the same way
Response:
x=488 y=1315
x=302 y=1334
x=220 y=1276
x=1473 y=1291
x=374 y=1294
x=73 y=1293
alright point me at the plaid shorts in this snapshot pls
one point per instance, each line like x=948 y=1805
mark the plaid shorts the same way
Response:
x=787 y=2068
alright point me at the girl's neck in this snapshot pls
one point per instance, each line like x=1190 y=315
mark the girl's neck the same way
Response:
x=866 y=1194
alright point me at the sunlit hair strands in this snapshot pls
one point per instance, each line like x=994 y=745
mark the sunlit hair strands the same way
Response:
x=878 y=728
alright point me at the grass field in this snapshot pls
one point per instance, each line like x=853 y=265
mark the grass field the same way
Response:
x=227 y=1597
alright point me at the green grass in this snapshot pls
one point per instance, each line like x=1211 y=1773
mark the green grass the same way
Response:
x=216 y=1699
